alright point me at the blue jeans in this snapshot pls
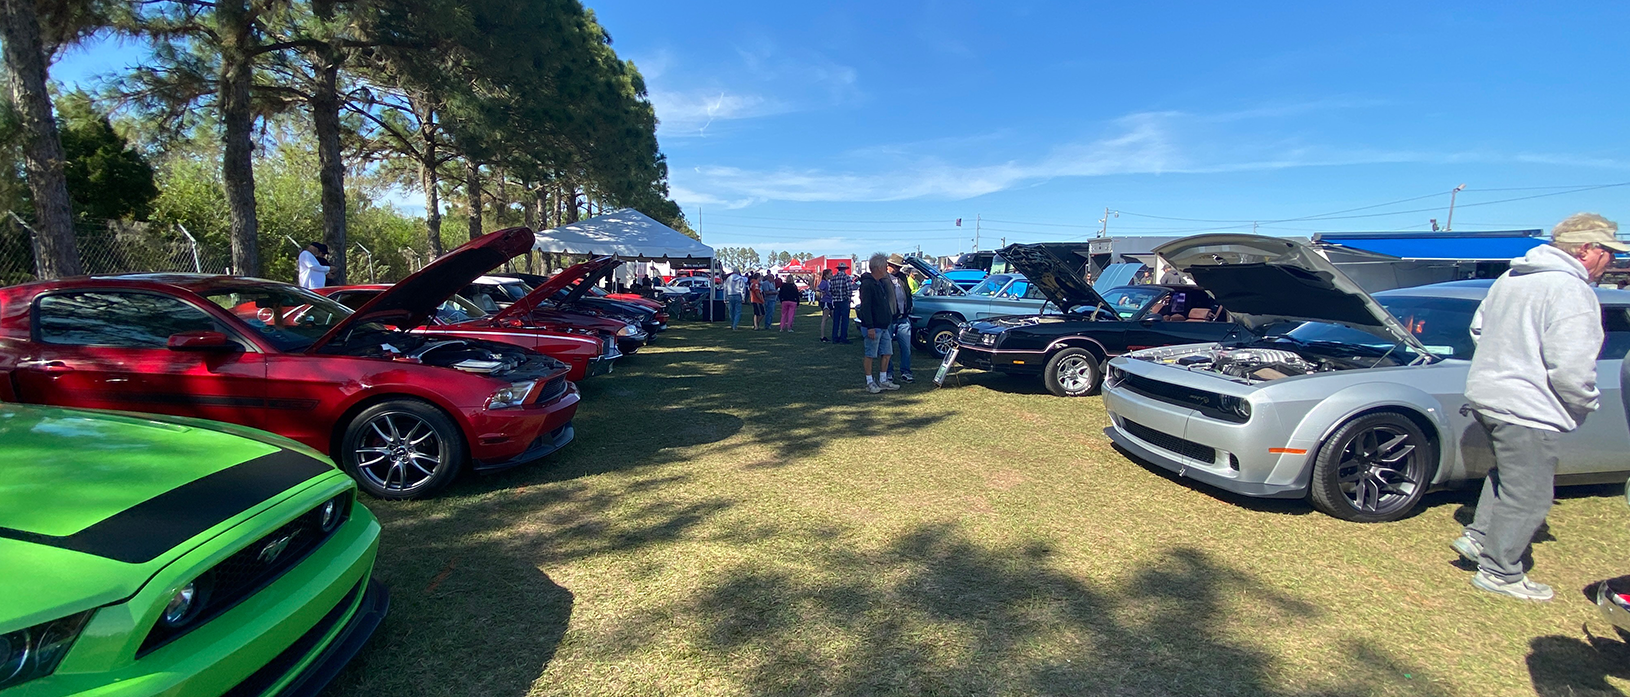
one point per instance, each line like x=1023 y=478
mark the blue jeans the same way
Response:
x=735 y=309
x=902 y=336
x=840 y=320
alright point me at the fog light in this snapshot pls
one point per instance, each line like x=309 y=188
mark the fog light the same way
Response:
x=179 y=609
x=329 y=517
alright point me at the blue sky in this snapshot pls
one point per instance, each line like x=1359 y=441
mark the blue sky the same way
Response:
x=860 y=126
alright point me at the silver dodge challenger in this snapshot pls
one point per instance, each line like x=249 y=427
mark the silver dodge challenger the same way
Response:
x=1351 y=401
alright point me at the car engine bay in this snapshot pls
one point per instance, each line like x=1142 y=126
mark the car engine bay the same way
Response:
x=1268 y=359
x=490 y=358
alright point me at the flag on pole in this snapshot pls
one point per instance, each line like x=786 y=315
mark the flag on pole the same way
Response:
x=959 y=222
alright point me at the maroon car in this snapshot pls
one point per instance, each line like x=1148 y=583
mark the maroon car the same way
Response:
x=537 y=308
x=402 y=413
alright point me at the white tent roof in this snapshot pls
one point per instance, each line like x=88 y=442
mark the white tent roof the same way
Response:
x=624 y=232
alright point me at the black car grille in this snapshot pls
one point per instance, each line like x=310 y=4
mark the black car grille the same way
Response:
x=550 y=390
x=1171 y=443
x=1206 y=402
x=968 y=337
x=247 y=571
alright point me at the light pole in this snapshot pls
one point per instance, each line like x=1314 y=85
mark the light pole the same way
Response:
x=1449 y=223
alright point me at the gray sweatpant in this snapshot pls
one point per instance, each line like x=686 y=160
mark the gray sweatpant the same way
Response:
x=1516 y=496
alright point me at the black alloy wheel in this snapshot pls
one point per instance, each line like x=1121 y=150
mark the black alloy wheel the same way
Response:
x=941 y=337
x=402 y=449
x=1374 y=469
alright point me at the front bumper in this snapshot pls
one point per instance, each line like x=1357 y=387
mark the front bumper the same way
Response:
x=541 y=447
x=1223 y=455
x=986 y=358
x=365 y=619
x=507 y=437
x=601 y=365
x=1612 y=609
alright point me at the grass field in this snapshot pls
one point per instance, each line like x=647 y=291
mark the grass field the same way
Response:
x=738 y=516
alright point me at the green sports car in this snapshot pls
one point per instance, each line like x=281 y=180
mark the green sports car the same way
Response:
x=144 y=555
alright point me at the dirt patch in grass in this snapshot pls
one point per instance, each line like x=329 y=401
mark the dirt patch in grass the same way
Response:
x=740 y=517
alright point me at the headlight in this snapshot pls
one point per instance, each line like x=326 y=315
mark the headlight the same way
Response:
x=988 y=339
x=34 y=652
x=627 y=330
x=512 y=396
x=1236 y=406
x=181 y=605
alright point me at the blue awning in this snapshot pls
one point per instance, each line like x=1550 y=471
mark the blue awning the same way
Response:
x=1453 y=246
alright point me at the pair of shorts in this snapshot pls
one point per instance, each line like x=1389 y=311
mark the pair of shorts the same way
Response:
x=883 y=345
x=758 y=309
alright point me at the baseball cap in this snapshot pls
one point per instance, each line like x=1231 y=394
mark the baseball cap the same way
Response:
x=1581 y=228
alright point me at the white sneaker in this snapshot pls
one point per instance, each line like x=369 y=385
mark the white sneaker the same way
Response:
x=1520 y=588
x=888 y=385
x=873 y=388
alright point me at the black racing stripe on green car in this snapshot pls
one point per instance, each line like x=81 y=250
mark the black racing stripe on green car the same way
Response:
x=148 y=529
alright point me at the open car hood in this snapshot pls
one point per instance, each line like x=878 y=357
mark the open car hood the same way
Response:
x=1260 y=280
x=414 y=299
x=591 y=280
x=1053 y=276
x=546 y=290
x=938 y=280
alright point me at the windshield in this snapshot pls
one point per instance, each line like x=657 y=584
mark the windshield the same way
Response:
x=287 y=317
x=1128 y=302
x=991 y=285
x=1443 y=326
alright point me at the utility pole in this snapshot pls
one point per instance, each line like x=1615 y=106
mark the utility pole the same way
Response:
x=1105 y=220
x=976 y=220
x=1253 y=227
x=1449 y=223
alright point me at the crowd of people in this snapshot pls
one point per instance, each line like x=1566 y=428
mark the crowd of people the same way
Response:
x=882 y=307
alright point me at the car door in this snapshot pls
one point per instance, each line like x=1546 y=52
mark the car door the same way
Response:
x=109 y=349
x=1599 y=444
x=1018 y=297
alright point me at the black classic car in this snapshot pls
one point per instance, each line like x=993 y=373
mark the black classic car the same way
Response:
x=1068 y=350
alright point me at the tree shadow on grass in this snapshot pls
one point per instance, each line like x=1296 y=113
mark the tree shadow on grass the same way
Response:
x=936 y=613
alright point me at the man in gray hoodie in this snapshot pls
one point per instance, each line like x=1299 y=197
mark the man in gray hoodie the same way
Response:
x=1532 y=379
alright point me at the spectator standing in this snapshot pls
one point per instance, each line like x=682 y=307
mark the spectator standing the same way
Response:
x=842 y=286
x=1533 y=378
x=825 y=298
x=789 y=302
x=311 y=267
x=735 y=291
x=768 y=286
x=876 y=316
x=900 y=330
x=755 y=296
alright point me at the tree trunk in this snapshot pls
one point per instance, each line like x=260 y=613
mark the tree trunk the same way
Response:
x=56 y=253
x=325 y=116
x=238 y=121
x=432 y=198
x=472 y=194
x=529 y=213
x=500 y=201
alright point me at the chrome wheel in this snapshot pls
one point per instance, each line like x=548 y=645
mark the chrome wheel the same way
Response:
x=1076 y=373
x=398 y=452
x=1381 y=468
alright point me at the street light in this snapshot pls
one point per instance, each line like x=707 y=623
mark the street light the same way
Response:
x=1449 y=223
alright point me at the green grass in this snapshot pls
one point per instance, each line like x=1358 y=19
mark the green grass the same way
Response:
x=739 y=517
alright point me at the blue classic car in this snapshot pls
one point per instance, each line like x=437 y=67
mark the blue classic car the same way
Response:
x=940 y=304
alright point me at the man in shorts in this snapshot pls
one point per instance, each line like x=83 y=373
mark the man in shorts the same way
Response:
x=876 y=314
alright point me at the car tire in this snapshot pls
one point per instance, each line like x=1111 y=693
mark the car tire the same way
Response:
x=1373 y=469
x=1073 y=372
x=941 y=337
x=402 y=449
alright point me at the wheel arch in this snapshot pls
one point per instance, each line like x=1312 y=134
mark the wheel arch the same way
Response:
x=1081 y=342
x=951 y=316
x=364 y=401
x=1373 y=398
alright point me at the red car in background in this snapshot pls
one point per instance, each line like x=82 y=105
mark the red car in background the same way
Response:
x=534 y=280
x=402 y=413
x=536 y=308
x=587 y=352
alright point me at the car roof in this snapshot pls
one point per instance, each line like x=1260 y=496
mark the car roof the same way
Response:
x=1478 y=288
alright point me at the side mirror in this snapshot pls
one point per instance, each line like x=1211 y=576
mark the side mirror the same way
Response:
x=202 y=341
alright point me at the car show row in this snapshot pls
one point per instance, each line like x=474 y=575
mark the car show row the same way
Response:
x=205 y=545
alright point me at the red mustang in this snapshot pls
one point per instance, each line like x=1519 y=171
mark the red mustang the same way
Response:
x=586 y=351
x=402 y=413
x=537 y=309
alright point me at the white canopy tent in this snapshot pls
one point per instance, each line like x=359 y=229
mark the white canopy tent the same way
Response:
x=624 y=232
x=628 y=234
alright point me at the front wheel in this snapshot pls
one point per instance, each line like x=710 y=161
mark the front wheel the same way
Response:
x=941 y=337
x=1374 y=469
x=1072 y=372
x=402 y=449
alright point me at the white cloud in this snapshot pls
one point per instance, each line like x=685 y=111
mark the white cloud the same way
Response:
x=682 y=114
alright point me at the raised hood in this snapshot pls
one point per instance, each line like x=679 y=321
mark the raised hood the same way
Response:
x=1260 y=280
x=546 y=290
x=1053 y=276
x=414 y=299
x=940 y=282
